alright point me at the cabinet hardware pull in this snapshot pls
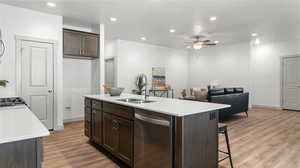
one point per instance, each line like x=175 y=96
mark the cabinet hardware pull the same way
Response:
x=115 y=124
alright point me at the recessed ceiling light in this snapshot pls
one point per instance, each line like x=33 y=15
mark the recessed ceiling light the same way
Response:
x=257 y=41
x=143 y=38
x=216 y=41
x=188 y=47
x=172 y=30
x=254 y=34
x=51 y=4
x=213 y=18
x=113 y=19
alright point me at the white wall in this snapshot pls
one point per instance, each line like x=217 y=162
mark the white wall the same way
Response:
x=111 y=49
x=77 y=82
x=265 y=70
x=134 y=58
x=229 y=65
x=22 y=22
x=256 y=68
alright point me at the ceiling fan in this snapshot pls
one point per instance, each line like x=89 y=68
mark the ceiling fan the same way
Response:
x=198 y=43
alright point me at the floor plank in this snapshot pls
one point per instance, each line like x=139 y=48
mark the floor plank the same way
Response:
x=266 y=139
x=70 y=149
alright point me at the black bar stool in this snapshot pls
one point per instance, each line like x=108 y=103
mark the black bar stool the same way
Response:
x=222 y=129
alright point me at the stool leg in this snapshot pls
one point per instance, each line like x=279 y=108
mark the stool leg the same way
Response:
x=228 y=147
x=246 y=113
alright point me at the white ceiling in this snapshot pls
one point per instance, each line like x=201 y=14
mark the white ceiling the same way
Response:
x=236 y=19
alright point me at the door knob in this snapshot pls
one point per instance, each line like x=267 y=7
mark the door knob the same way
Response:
x=50 y=91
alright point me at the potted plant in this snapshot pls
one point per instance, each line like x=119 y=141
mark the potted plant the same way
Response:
x=3 y=83
x=141 y=82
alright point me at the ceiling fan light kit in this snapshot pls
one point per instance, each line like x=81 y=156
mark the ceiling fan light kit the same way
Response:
x=198 y=43
x=197 y=47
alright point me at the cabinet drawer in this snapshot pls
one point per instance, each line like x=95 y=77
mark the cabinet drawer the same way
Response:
x=96 y=104
x=119 y=110
x=88 y=102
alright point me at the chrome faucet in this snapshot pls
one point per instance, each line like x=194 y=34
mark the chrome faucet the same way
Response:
x=146 y=96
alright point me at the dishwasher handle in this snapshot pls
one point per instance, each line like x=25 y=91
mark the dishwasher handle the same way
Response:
x=152 y=120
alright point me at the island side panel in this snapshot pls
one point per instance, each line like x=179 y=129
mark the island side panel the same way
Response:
x=25 y=154
x=196 y=140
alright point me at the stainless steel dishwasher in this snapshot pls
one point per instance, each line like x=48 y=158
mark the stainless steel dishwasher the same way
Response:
x=153 y=145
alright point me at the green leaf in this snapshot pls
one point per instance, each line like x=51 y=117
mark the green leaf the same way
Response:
x=3 y=83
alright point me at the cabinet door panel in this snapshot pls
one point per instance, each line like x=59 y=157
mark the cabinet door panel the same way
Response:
x=87 y=121
x=87 y=102
x=72 y=43
x=110 y=133
x=125 y=144
x=97 y=126
x=91 y=45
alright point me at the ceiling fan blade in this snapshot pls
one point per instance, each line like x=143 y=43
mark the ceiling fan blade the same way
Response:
x=210 y=44
x=205 y=41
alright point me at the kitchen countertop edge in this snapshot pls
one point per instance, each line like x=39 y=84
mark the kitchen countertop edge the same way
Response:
x=170 y=111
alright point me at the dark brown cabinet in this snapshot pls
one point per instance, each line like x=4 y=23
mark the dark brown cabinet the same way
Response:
x=118 y=137
x=90 y=45
x=87 y=117
x=72 y=43
x=110 y=133
x=87 y=123
x=111 y=127
x=125 y=140
x=96 y=126
x=93 y=120
x=80 y=44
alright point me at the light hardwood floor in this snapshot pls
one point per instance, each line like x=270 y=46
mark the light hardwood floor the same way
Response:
x=266 y=139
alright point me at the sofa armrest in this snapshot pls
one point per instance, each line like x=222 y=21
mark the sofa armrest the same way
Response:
x=239 y=103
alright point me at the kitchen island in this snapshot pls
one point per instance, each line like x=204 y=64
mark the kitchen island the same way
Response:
x=21 y=135
x=159 y=132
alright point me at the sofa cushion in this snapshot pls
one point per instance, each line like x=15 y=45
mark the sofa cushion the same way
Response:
x=238 y=90
x=201 y=95
x=215 y=92
x=229 y=90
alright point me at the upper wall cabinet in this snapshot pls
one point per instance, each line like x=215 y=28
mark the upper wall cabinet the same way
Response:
x=80 y=45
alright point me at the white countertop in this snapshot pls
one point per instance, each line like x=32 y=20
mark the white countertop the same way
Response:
x=174 y=107
x=19 y=123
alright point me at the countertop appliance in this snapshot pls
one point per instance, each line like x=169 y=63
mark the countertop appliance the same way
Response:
x=153 y=140
x=11 y=101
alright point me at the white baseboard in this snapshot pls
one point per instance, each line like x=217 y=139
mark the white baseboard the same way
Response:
x=267 y=107
x=73 y=119
x=59 y=127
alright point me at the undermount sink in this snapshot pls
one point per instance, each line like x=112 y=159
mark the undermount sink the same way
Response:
x=136 y=101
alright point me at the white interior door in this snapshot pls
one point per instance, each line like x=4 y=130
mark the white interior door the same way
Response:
x=110 y=72
x=37 y=79
x=291 y=83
